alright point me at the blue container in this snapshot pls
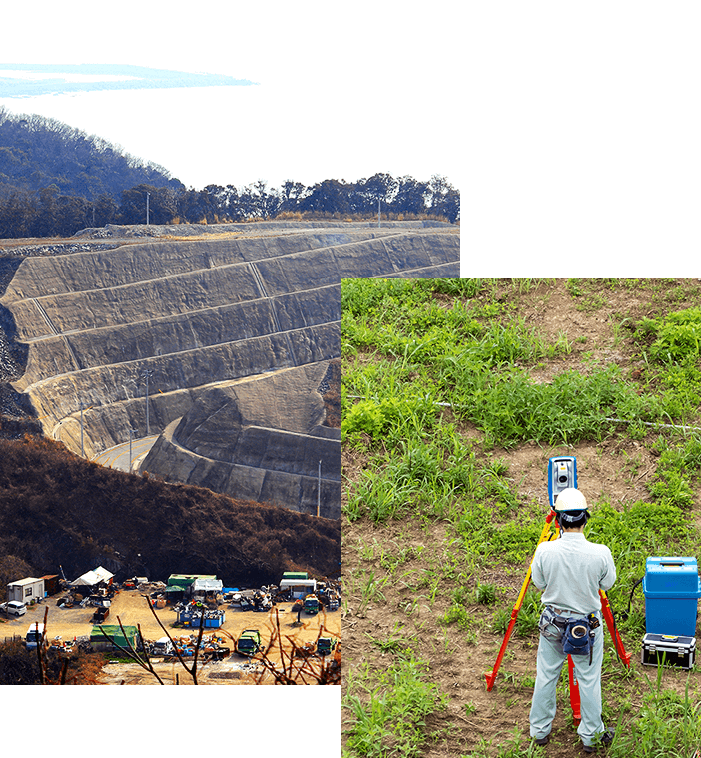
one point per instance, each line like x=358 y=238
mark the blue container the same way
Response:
x=214 y=623
x=672 y=588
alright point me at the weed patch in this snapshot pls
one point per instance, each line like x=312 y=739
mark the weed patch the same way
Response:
x=389 y=720
x=668 y=723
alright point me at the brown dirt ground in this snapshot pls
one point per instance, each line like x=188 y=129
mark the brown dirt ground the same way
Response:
x=132 y=609
x=619 y=469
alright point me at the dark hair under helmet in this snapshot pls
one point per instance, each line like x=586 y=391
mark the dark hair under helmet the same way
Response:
x=571 y=508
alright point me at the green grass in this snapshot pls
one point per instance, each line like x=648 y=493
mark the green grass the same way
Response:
x=388 y=713
x=439 y=373
x=478 y=366
x=668 y=724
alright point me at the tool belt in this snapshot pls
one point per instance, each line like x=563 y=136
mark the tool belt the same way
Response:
x=575 y=634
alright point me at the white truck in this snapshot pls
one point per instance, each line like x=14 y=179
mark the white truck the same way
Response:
x=35 y=634
x=163 y=647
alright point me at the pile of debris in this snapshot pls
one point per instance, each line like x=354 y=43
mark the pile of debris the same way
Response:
x=61 y=248
x=101 y=599
x=212 y=647
x=59 y=645
x=253 y=600
x=191 y=614
x=329 y=594
x=240 y=671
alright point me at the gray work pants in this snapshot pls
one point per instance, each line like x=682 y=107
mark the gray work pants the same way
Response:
x=548 y=665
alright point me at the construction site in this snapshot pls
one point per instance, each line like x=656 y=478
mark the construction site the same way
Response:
x=211 y=343
x=187 y=355
x=188 y=630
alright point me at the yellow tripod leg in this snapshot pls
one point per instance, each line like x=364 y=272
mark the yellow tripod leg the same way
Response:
x=492 y=675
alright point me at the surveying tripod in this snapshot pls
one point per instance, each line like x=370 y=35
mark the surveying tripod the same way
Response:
x=606 y=612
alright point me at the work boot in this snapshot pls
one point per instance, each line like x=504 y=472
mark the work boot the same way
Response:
x=542 y=740
x=605 y=739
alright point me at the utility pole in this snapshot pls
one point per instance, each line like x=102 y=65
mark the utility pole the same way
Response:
x=146 y=374
x=148 y=196
x=82 y=446
x=82 y=428
x=131 y=433
x=82 y=407
x=318 y=494
x=378 y=212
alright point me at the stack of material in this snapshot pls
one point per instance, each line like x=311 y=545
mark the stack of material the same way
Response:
x=329 y=593
x=211 y=647
x=252 y=600
x=262 y=601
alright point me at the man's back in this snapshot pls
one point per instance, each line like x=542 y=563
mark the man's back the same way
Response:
x=571 y=571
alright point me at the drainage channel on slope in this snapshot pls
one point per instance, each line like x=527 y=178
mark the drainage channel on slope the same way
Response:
x=276 y=321
x=52 y=327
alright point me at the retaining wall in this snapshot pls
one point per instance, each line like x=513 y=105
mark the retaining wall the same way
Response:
x=195 y=314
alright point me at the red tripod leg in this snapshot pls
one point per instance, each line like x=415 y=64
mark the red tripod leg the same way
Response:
x=574 y=691
x=607 y=613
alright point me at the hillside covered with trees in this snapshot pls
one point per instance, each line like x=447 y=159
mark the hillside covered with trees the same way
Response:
x=56 y=180
x=59 y=510
x=37 y=153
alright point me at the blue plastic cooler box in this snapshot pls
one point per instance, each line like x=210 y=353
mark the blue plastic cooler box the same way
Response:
x=672 y=588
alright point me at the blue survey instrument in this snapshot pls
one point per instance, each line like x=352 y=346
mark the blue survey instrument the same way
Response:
x=562 y=473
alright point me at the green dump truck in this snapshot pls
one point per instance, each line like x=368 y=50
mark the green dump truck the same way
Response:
x=248 y=643
x=311 y=605
x=325 y=645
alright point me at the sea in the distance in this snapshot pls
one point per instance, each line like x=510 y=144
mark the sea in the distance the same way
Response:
x=241 y=134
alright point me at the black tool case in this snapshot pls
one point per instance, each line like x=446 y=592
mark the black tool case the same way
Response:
x=669 y=649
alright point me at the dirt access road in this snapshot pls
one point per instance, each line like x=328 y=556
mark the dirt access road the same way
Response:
x=132 y=609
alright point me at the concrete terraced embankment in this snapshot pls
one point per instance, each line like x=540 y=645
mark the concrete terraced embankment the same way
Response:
x=194 y=318
x=262 y=438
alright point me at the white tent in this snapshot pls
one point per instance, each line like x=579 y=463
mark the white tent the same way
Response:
x=93 y=578
x=207 y=584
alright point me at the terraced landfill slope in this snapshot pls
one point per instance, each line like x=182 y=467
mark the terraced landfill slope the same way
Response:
x=194 y=319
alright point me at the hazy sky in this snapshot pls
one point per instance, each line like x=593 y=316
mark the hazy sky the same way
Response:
x=344 y=91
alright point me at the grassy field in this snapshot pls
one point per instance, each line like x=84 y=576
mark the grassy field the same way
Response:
x=455 y=394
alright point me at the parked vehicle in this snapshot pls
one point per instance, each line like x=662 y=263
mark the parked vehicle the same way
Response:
x=216 y=654
x=249 y=642
x=311 y=604
x=13 y=608
x=35 y=635
x=325 y=645
x=163 y=647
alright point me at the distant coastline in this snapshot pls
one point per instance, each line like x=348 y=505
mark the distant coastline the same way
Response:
x=35 y=79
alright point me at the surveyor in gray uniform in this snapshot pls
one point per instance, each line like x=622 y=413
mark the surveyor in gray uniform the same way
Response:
x=570 y=571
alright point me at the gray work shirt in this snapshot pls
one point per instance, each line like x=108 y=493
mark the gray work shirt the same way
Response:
x=571 y=571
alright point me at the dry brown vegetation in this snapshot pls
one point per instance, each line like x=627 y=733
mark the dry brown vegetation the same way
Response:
x=56 y=509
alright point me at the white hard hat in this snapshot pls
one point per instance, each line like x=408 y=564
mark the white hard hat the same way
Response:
x=570 y=499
